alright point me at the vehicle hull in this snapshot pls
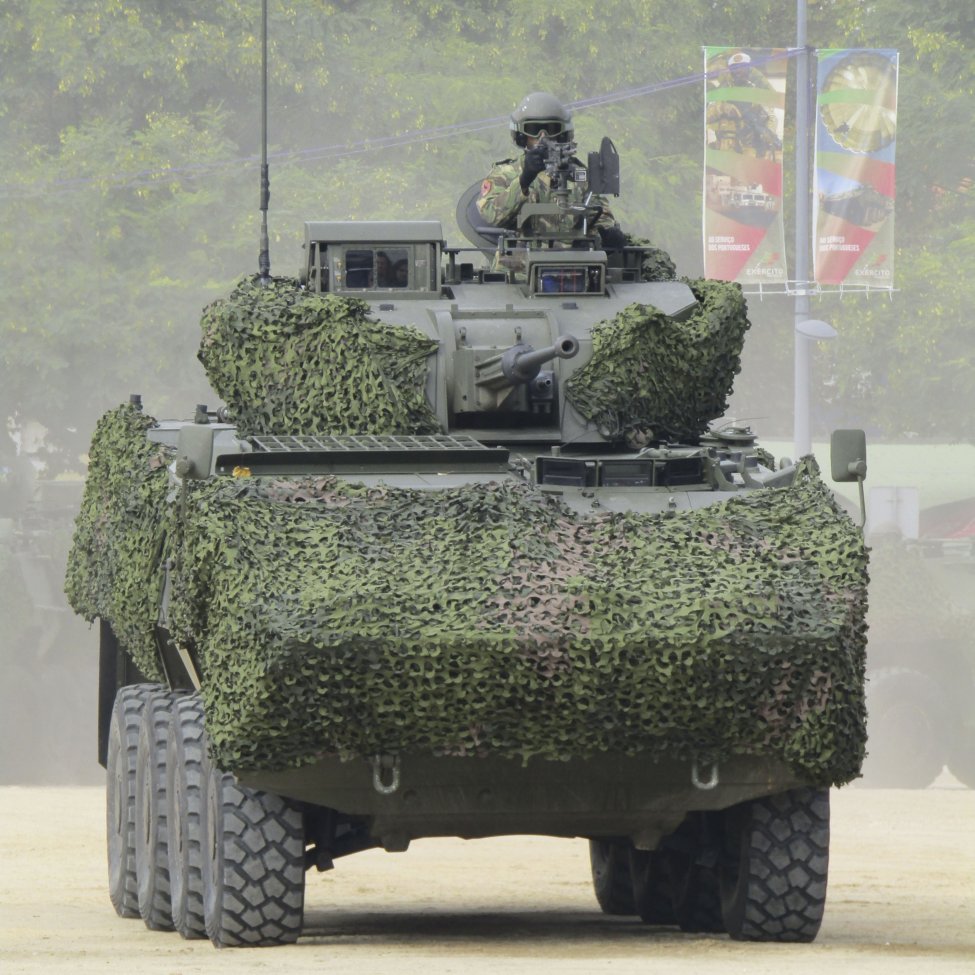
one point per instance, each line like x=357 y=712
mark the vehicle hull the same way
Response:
x=637 y=796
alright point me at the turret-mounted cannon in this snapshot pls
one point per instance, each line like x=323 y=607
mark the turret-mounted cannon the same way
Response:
x=514 y=379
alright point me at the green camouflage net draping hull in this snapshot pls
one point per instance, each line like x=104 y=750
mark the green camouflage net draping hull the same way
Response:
x=287 y=361
x=488 y=619
x=113 y=569
x=652 y=377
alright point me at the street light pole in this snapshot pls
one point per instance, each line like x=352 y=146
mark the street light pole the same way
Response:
x=803 y=192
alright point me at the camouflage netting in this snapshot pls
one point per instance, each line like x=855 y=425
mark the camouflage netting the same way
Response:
x=288 y=361
x=484 y=619
x=652 y=377
x=113 y=567
x=657 y=263
x=489 y=619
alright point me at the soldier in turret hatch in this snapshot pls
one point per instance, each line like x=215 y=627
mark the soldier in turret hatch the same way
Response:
x=540 y=117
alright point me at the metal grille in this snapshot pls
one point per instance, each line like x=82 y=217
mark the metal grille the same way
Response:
x=359 y=444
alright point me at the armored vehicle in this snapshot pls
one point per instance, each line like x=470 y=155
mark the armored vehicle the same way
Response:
x=463 y=556
x=47 y=685
x=921 y=652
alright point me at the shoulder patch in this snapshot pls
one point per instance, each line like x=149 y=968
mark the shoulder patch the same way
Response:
x=486 y=187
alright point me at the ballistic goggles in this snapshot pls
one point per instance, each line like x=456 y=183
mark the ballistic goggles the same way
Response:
x=552 y=127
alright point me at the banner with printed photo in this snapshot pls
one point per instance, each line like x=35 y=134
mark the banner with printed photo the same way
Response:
x=744 y=120
x=853 y=199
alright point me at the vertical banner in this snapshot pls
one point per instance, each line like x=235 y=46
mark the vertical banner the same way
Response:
x=744 y=118
x=853 y=199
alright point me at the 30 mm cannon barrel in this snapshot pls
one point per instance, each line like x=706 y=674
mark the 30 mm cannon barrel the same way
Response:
x=521 y=363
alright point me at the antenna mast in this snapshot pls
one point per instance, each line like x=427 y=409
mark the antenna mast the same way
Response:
x=264 y=258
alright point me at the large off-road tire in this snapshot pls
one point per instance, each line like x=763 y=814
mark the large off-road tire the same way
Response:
x=120 y=768
x=961 y=760
x=774 y=871
x=651 y=887
x=692 y=867
x=907 y=732
x=695 y=896
x=611 y=878
x=151 y=815
x=253 y=865
x=186 y=798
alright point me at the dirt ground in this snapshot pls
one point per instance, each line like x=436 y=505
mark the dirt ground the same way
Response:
x=901 y=899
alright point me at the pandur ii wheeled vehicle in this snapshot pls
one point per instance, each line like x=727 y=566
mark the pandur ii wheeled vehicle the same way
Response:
x=463 y=557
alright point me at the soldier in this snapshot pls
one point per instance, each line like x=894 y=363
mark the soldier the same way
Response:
x=744 y=127
x=514 y=182
x=724 y=122
x=743 y=75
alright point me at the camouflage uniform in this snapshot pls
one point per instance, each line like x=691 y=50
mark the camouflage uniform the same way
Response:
x=744 y=127
x=724 y=120
x=501 y=200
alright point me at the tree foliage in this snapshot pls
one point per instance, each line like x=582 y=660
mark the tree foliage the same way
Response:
x=130 y=140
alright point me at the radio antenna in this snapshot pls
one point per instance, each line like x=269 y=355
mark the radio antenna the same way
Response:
x=264 y=258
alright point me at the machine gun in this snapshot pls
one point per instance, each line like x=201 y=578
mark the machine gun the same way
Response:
x=758 y=133
x=602 y=172
x=602 y=175
x=562 y=166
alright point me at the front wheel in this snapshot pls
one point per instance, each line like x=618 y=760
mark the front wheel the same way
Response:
x=120 y=823
x=152 y=834
x=186 y=797
x=773 y=874
x=253 y=865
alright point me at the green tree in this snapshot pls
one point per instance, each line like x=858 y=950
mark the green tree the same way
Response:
x=129 y=139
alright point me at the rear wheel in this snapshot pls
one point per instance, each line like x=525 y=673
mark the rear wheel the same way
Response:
x=152 y=834
x=692 y=865
x=611 y=878
x=906 y=729
x=773 y=875
x=186 y=795
x=961 y=760
x=696 y=898
x=253 y=865
x=120 y=767
x=651 y=887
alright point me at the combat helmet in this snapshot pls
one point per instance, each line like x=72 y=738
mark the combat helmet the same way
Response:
x=540 y=111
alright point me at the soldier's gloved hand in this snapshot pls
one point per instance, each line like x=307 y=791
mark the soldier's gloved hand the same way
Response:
x=531 y=166
x=612 y=238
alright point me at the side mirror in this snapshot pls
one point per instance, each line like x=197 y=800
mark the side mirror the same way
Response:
x=848 y=455
x=194 y=451
x=848 y=461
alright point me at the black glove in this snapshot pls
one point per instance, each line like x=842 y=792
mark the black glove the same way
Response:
x=531 y=166
x=613 y=238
